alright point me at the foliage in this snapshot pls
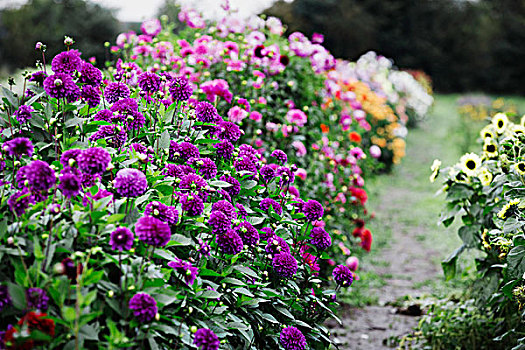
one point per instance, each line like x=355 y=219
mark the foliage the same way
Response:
x=485 y=190
x=48 y=22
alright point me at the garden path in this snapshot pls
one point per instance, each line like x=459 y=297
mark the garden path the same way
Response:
x=408 y=243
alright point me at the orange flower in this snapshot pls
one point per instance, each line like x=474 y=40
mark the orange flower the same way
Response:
x=324 y=128
x=355 y=137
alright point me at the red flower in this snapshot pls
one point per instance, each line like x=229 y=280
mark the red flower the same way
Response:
x=33 y=321
x=358 y=232
x=355 y=137
x=366 y=240
x=360 y=194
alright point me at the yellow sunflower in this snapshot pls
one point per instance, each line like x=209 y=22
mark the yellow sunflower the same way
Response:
x=508 y=209
x=488 y=132
x=500 y=122
x=518 y=129
x=520 y=168
x=484 y=176
x=470 y=163
x=490 y=148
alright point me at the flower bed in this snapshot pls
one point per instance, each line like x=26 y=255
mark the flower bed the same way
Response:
x=197 y=193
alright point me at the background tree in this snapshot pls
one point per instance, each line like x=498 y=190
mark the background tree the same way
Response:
x=48 y=21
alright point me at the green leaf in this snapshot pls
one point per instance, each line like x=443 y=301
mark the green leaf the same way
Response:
x=219 y=183
x=469 y=235
x=449 y=264
x=516 y=261
x=180 y=239
x=115 y=217
x=243 y=291
x=211 y=294
x=18 y=295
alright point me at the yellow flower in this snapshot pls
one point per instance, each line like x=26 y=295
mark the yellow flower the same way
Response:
x=488 y=132
x=490 y=148
x=500 y=122
x=470 y=163
x=518 y=129
x=512 y=205
x=520 y=168
x=435 y=170
x=484 y=176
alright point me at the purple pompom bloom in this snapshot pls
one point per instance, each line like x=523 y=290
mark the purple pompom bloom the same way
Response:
x=38 y=77
x=284 y=265
x=192 y=182
x=292 y=339
x=144 y=307
x=235 y=187
x=280 y=156
x=225 y=149
x=65 y=158
x=130 y=182
x=66 y=62
x=23 y=114
x=61 y=85
x=267 y=233
x=246 y=163
x=37 y=299
x=128 y=111
x=241 y=211
x=116 y=91
x=114 y=135
x=121 y=239
x=313 y=210
x=228 y=131
x=149 y=82
x=178 y=171
x=182 y=152
x=161 y=211
x=207 y=167
x=93 y=161
x=247 y=150
x=206 y=112
x=69 y=185
x=225 y=207
x=20 y=201
x=343 y=276
x=108 y=116
x=180 y=89
x=192 y=205
x=248 y=233
x=90 y=75
x=18 y=147
x=152 y=231
x=320 y=238
x=267 y=202
x=40 y=176
x=287 y=176
x=277 y=245
x=186 y=269
x=205 y=339
x=219 y=221
x=230 y=242
x=91 y=95
x=5 y=299
x=267 y=173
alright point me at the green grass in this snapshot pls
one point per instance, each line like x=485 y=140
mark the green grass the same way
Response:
x=439 y=136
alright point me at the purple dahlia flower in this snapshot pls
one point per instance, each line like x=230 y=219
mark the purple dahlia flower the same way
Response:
x=284 y=265
x=248 y=233
x=37 y=299
x=40 y=176
x=192 y=205
x=89 y=74
x=66 y=62
x=149 y=82
x=18 y=147
x=276 y=245
x=292 y=339
x=130 y=182
x=116 y=91
x=280 y=156
x=163 y=212
x=320 y=238
x=94 y=161
x=313 y=210
x=205 y=339
x=225 y=149
x=186 y=269
x=23 y=114
x=225 y=207
x=180 y=89
x=230 y=242
x=235 y=187
x=152 y=231
x=20 y=201
x=268 y=202
x=343 y=276
x=121 y=239
x=206 y=112
x=144 y=307
x=69 y=185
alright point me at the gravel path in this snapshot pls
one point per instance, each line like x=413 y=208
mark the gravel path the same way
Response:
x=407 y=209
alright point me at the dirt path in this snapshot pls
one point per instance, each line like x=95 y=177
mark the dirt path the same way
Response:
x=406 y=220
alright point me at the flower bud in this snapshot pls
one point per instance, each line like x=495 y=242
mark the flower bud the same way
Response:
x=11 y=240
